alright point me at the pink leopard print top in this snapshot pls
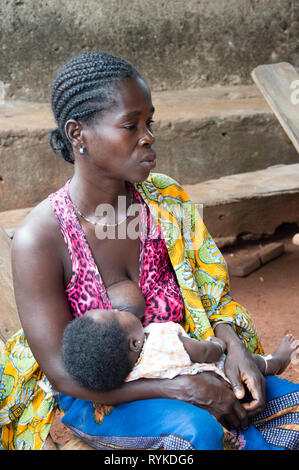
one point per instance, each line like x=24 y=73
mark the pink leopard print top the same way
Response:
x=86 y=290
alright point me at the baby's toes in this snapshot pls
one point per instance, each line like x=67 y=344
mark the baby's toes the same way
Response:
x=289 y=337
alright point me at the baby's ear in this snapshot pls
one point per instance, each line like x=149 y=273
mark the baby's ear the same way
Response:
x=135 y=344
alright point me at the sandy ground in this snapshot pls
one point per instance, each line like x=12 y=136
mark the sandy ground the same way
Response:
x=271 y=295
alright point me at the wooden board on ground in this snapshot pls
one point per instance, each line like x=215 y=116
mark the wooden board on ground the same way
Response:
x=279 y=84
x=76 y=444
x=9 y=319
x=10 y=220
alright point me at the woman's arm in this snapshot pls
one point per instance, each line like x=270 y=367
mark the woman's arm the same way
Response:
x=44 y=312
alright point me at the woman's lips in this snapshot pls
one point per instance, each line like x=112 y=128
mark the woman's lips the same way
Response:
x=149 y=160
x=149 y=163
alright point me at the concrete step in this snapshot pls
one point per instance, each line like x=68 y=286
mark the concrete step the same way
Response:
x=250 y=205
x=200 y=134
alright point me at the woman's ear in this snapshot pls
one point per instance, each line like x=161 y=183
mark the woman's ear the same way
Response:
x=74 y=133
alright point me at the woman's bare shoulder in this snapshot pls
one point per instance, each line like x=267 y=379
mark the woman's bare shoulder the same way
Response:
x=38 y=229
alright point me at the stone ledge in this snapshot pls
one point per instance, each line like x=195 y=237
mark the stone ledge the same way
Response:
x=252 y=204
x=171 y=105
x=200 y=134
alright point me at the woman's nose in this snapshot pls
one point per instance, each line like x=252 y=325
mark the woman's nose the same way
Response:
x=147 y=138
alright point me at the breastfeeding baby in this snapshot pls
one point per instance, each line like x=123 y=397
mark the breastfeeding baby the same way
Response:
x=104 y=348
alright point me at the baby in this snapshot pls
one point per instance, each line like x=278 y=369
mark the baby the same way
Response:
x=104 y=348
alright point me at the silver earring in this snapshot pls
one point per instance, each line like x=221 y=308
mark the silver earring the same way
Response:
x=81 y=150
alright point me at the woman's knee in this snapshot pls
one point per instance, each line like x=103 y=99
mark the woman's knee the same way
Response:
x=192 y=423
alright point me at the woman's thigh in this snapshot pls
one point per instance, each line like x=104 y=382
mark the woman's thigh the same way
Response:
x=172 y=424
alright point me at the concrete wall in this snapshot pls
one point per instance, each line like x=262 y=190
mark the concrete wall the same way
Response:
x=174 y=43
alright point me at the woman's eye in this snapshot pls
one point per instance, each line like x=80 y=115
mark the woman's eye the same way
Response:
x=149 y=123
x=131 y=127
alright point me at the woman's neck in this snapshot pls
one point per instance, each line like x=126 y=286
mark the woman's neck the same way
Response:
x=89 y=191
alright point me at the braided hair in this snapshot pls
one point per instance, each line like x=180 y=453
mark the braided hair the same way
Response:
x=83 y=87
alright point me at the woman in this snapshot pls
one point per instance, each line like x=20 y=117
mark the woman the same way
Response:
x=64 y=265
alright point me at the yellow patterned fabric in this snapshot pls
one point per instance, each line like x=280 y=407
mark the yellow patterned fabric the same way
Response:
x=199 y=265
x=27 y=406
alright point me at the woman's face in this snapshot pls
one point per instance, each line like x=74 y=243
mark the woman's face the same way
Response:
x=119 y=141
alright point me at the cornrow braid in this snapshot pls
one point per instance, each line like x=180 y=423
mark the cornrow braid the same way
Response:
x=82 y=88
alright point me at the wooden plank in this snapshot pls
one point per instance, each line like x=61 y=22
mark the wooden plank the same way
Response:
x=76 y=444
x=10 y=220
x=49 y=444
x=278 y=84
x=9 y=319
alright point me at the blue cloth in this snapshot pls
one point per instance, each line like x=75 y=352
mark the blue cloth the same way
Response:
x=176 y=425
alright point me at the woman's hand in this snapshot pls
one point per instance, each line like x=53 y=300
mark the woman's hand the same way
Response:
x=241 y=369
x=212 y=393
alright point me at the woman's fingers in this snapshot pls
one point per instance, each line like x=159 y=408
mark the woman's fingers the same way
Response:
x=242 y=416
x=223 y=404
x=257 y=387
x=233 y=376
x=237 y=418
x=243 y=373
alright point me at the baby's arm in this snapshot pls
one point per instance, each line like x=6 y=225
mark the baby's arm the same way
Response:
x=203 y=351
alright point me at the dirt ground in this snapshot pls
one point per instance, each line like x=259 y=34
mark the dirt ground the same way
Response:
x=271 y=295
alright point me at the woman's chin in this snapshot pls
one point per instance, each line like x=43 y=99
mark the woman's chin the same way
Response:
x=139 y=177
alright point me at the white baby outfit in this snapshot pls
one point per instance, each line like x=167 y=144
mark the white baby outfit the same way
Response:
x=164 y=355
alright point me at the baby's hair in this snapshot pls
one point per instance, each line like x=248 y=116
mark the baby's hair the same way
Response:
x=96 y=355
x=83 y=87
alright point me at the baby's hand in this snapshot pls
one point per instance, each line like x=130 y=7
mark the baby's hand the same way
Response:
x=216 y=347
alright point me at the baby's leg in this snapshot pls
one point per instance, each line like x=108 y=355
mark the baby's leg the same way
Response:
x=276 y=363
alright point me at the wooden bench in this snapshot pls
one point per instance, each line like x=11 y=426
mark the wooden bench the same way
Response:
x=279 y=84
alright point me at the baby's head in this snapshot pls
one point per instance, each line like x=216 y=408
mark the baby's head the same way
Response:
x=100 y=348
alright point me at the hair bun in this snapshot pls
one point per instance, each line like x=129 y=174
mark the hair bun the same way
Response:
x=57 y=144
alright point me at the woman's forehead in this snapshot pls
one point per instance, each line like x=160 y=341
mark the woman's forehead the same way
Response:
x=132 y=97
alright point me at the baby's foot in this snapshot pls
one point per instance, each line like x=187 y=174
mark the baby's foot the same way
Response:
x=279 y=361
